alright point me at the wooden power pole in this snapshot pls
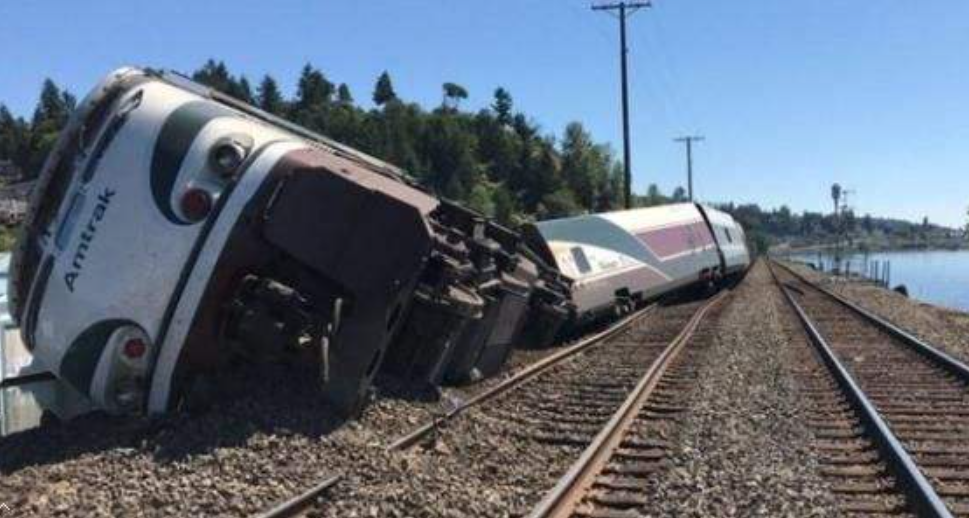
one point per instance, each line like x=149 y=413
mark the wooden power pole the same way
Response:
x=689 y=160
x=624 y=8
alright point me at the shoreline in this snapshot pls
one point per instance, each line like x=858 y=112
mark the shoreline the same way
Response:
x=943 y=326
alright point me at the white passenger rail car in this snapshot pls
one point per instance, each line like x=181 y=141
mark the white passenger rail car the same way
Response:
x=616 y=260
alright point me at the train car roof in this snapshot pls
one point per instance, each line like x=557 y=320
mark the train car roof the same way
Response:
x=628 y=219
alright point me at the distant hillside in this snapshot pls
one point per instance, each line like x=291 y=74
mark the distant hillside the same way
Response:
x=781 y=227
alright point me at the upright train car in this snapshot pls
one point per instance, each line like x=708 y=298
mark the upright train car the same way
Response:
x=620 y=258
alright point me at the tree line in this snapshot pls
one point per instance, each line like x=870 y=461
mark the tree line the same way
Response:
x=497 y=160
x=781 y=225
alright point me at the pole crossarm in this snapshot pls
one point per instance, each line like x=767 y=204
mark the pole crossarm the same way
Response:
x=628 y=5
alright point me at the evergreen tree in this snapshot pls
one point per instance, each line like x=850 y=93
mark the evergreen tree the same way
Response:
x=383 y=92
x=503 y=106
x=51 y=114
x=314 y=91
x=654 y=196
x=343 y=95
x=242 y=90
x=269 y=97
x=679 y=194
x=586 y=167
x=14 y=138
x=54 y=106
x=214 y=74
x=450 y=153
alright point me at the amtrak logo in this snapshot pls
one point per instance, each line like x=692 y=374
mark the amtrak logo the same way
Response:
x=87 y=237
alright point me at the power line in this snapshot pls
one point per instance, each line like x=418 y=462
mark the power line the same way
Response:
x=624 y=8
x=668 y=75
x=689 y=140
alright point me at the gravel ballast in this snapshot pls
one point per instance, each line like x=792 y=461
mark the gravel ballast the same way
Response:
x=945 y=328
x=743 y=449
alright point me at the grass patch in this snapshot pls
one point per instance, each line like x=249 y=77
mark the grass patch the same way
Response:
x=8 y=238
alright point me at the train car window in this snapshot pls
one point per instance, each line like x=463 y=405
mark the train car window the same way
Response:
x=727 y=231
x=581 y=261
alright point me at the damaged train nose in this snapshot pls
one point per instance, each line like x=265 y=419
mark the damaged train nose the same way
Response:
x=229 y=233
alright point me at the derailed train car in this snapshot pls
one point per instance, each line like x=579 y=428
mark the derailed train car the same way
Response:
x=174 y=228
x=618 y=260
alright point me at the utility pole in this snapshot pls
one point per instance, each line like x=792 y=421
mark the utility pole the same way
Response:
x=624 y=8
x=689 y=140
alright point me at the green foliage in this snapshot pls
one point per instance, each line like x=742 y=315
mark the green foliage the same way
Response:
x=453 y=95
x=384 y=92
x=343 y=95
x=495 y=160
x=503 y=106
x=8 y=238
x=215 y=74
x=269 y=98
x=766 y=227
x=586 y=167
x=679 y=195
x=314 y=91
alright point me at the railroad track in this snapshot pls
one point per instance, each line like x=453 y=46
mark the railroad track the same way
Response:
x=890 y=412
x=520 y=378
x=302 y=502
x=610 y=477
x=564 y=400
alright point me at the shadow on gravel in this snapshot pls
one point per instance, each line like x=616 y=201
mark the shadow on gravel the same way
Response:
x=270 y=400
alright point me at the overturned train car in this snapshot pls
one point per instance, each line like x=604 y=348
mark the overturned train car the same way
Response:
x=174 y=228
x=618 y=260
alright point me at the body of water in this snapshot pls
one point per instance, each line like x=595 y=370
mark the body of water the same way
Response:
x=936 y=276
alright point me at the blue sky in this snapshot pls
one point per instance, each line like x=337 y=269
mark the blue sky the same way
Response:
x=791 y=96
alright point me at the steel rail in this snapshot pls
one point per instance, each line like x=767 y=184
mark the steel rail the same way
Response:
x=518 y=379
x=921 y=494
x=949 y=363
x=569 y=491
x=299 y=502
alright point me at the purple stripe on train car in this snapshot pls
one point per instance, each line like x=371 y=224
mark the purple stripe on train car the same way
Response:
x=669 y=241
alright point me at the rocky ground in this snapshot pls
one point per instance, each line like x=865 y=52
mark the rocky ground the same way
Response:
x=485 y=463
x=233 y=460
x=943 y=327
x=743 y=449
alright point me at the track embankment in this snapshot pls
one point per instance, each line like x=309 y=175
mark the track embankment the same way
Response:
x=744 y=449
x=946 y=328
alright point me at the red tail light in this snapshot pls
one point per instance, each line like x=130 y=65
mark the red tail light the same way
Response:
x=134 y=348
x=196 y=204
